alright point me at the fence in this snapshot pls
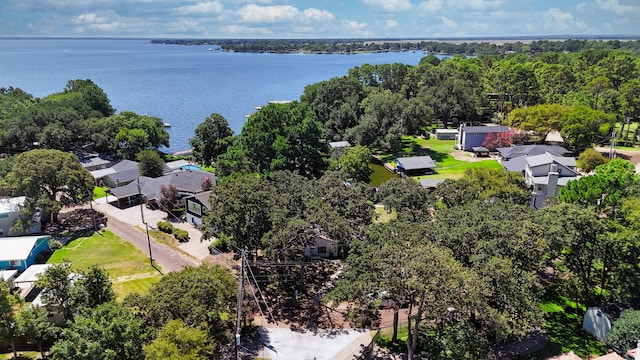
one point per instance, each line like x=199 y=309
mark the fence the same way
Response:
x=368 y=350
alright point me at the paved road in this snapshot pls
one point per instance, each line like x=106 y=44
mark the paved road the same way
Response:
x=167 y=258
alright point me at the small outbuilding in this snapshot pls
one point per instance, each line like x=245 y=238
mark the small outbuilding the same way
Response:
x=446 y=134
x=415 y=165
x=480 y=151
x=339 y=144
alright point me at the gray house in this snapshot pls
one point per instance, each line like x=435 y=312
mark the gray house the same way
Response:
x=546 y=173
x=10 y=211
x=474 y=136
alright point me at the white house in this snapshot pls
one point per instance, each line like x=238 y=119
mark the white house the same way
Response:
x=546 y=173
x=196 y=206
x=10 y=211
x=323 y=247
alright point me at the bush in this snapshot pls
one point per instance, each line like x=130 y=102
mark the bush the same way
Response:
x=181 y=235
x=54 y=245
x=222 y=243
x=165 y=227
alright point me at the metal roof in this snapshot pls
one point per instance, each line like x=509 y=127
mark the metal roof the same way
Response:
x=416 y=163
x=485 y=129
x=17 y=248
x=32 y=273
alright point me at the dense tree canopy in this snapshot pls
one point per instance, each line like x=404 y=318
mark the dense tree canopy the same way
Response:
x=50 y=179
x=211 y=139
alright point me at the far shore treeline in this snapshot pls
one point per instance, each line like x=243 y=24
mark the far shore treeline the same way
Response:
x=450 y=46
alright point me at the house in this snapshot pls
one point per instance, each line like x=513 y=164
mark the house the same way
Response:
x=323 y=247
x=472 y=136
x=92 y=161
x=20 y=252
x=122 y=173
x=415 y=165
x=546 y=173
x=10 y=211
x=196 y=206
x=28 y=278
x=512 y=152
x=8 y=276
x=187 y=182
x=446 y=134
x=514 y=157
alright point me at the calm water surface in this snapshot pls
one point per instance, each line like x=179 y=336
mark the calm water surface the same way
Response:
x=180 y=84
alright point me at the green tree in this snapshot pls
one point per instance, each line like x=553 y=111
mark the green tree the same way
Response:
x=90 y=288
x=240 y=211
x=7 y=317
x=177 y=341
x=108 y=332
x=355 y=162
x=211 y=139
x=625 y=331
x=583 y=127
x=281 y=137
x=56 y=287
x=33 y=323
x=589 y=159
x=201 y=297
x=50 y=179
x=150 y=163
x=91 y=100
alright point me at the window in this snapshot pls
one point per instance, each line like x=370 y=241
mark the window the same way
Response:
x=322 y=250
x=14 y=262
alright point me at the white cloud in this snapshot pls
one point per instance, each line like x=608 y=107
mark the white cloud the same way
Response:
x=390 y=5
x=558 y=21
x=211 y=7
x=390 y=24
x=268 y=14
x=317 y=15
x=431 y=6
x=448 y=23
x=474 y=4
x=613 y=6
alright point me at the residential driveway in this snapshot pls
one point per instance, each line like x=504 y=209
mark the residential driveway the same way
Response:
x=127 y=223
x=321 y=344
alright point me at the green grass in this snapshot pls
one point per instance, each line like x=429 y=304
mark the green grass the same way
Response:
x=127 y=266
x=447 y=167
x=99 y=192
x=22 y=355
x=563 y=324
x=400 y=345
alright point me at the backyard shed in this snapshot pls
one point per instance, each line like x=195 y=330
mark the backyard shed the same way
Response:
x=446 y=134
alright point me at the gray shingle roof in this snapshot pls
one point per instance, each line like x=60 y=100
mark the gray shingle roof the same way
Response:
x=549 y=158
x=531 y=150
x=189 y=181
x=416 y=163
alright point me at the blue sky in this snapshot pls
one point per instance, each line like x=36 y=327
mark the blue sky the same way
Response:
x=317 y=18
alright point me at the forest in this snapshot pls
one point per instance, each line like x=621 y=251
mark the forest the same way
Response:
x=474 y=263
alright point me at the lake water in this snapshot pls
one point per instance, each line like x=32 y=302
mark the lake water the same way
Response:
x=180 y=84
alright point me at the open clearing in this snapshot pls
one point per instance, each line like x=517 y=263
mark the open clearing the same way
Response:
x=128 y=267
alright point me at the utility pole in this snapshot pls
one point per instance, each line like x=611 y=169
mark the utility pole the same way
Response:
x=239 y=304
x=613 y=141
x=145 y=223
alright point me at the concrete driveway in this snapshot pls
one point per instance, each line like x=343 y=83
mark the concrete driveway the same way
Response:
x=321 y=344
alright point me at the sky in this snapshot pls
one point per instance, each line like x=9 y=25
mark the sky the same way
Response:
x=317 y=18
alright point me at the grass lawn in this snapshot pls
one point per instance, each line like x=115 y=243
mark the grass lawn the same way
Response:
x=127 y=266
x=99 y=192
x=22 y=355
x=564 y=328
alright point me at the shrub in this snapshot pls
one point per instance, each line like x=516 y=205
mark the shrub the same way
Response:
x=54 y=245
x=181 y=235
x=165 y=227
